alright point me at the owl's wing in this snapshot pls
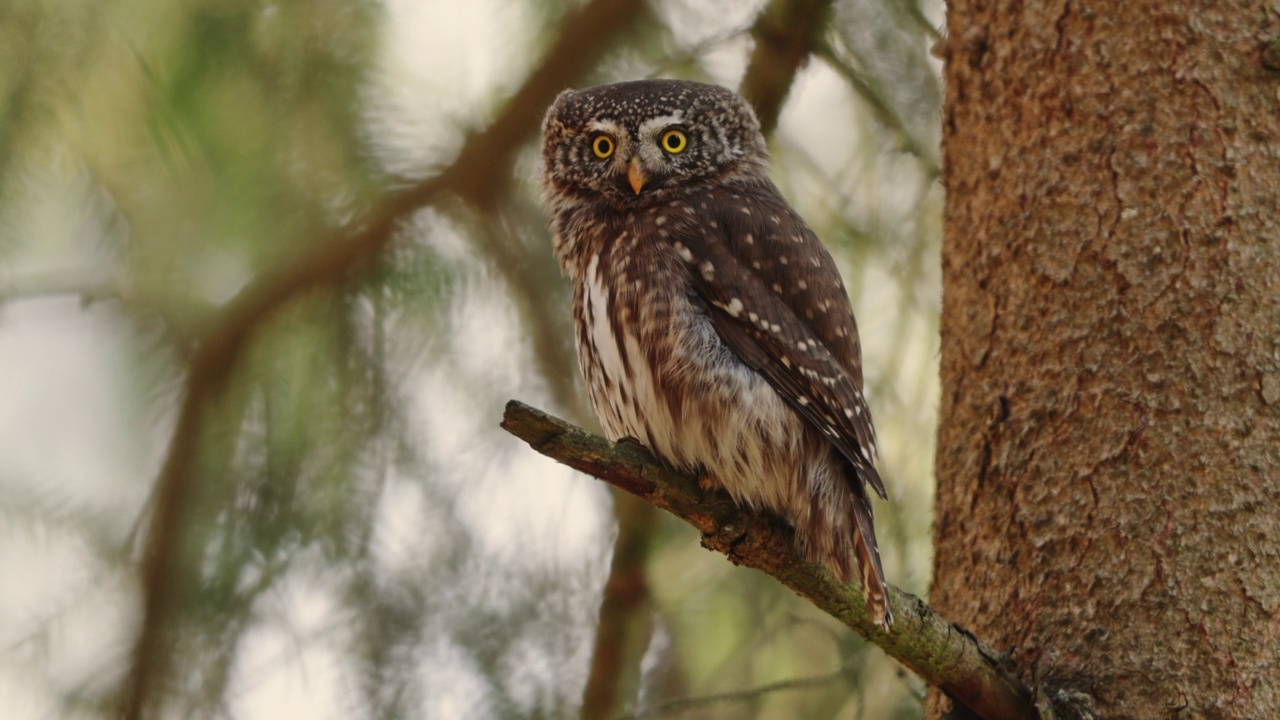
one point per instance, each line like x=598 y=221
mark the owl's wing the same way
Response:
x=747 y=269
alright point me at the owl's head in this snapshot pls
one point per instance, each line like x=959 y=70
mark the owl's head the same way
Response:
x=636 y=143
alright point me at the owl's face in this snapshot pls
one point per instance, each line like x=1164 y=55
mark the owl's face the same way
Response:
x=637 y=143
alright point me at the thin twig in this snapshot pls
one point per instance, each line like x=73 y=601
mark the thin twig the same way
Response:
x=86 y=284
x=745 y=695
x=834 y=54
x=942 y=654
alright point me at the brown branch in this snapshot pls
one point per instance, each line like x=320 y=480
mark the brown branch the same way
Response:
x=785 y=32
x=940 y=653
x=625 y=625
x=484 y=160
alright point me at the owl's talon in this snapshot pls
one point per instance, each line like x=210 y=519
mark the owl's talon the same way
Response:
x=628 y=440
x=708 y=483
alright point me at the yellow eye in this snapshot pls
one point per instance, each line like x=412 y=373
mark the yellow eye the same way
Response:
x=602 y=146
x=674 y=141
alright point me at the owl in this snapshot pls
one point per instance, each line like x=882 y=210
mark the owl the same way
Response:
x=711 y=323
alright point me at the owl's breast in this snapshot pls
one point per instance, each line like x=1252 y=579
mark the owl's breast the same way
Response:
x=657 y=371
x=634 y=308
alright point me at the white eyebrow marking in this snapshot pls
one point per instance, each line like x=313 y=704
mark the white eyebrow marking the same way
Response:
x=652 y=125
x=608 y=126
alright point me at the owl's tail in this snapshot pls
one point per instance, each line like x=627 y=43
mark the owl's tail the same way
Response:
x=839 y=532
x=868 y=555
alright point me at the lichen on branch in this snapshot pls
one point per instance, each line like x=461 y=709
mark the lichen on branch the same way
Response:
x=942 y=654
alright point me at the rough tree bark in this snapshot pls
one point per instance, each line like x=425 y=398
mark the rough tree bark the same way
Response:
x=1108 y=463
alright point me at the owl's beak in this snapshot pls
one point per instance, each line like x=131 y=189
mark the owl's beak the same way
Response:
x=636 y=174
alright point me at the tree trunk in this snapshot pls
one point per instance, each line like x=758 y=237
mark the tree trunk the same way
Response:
x=1108 y=505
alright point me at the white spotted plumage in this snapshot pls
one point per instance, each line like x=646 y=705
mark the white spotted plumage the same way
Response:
x=701 y=330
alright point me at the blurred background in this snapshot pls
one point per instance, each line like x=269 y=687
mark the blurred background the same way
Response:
x=254 y=353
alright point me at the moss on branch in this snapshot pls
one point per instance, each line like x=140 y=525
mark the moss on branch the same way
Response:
x=942 y=654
